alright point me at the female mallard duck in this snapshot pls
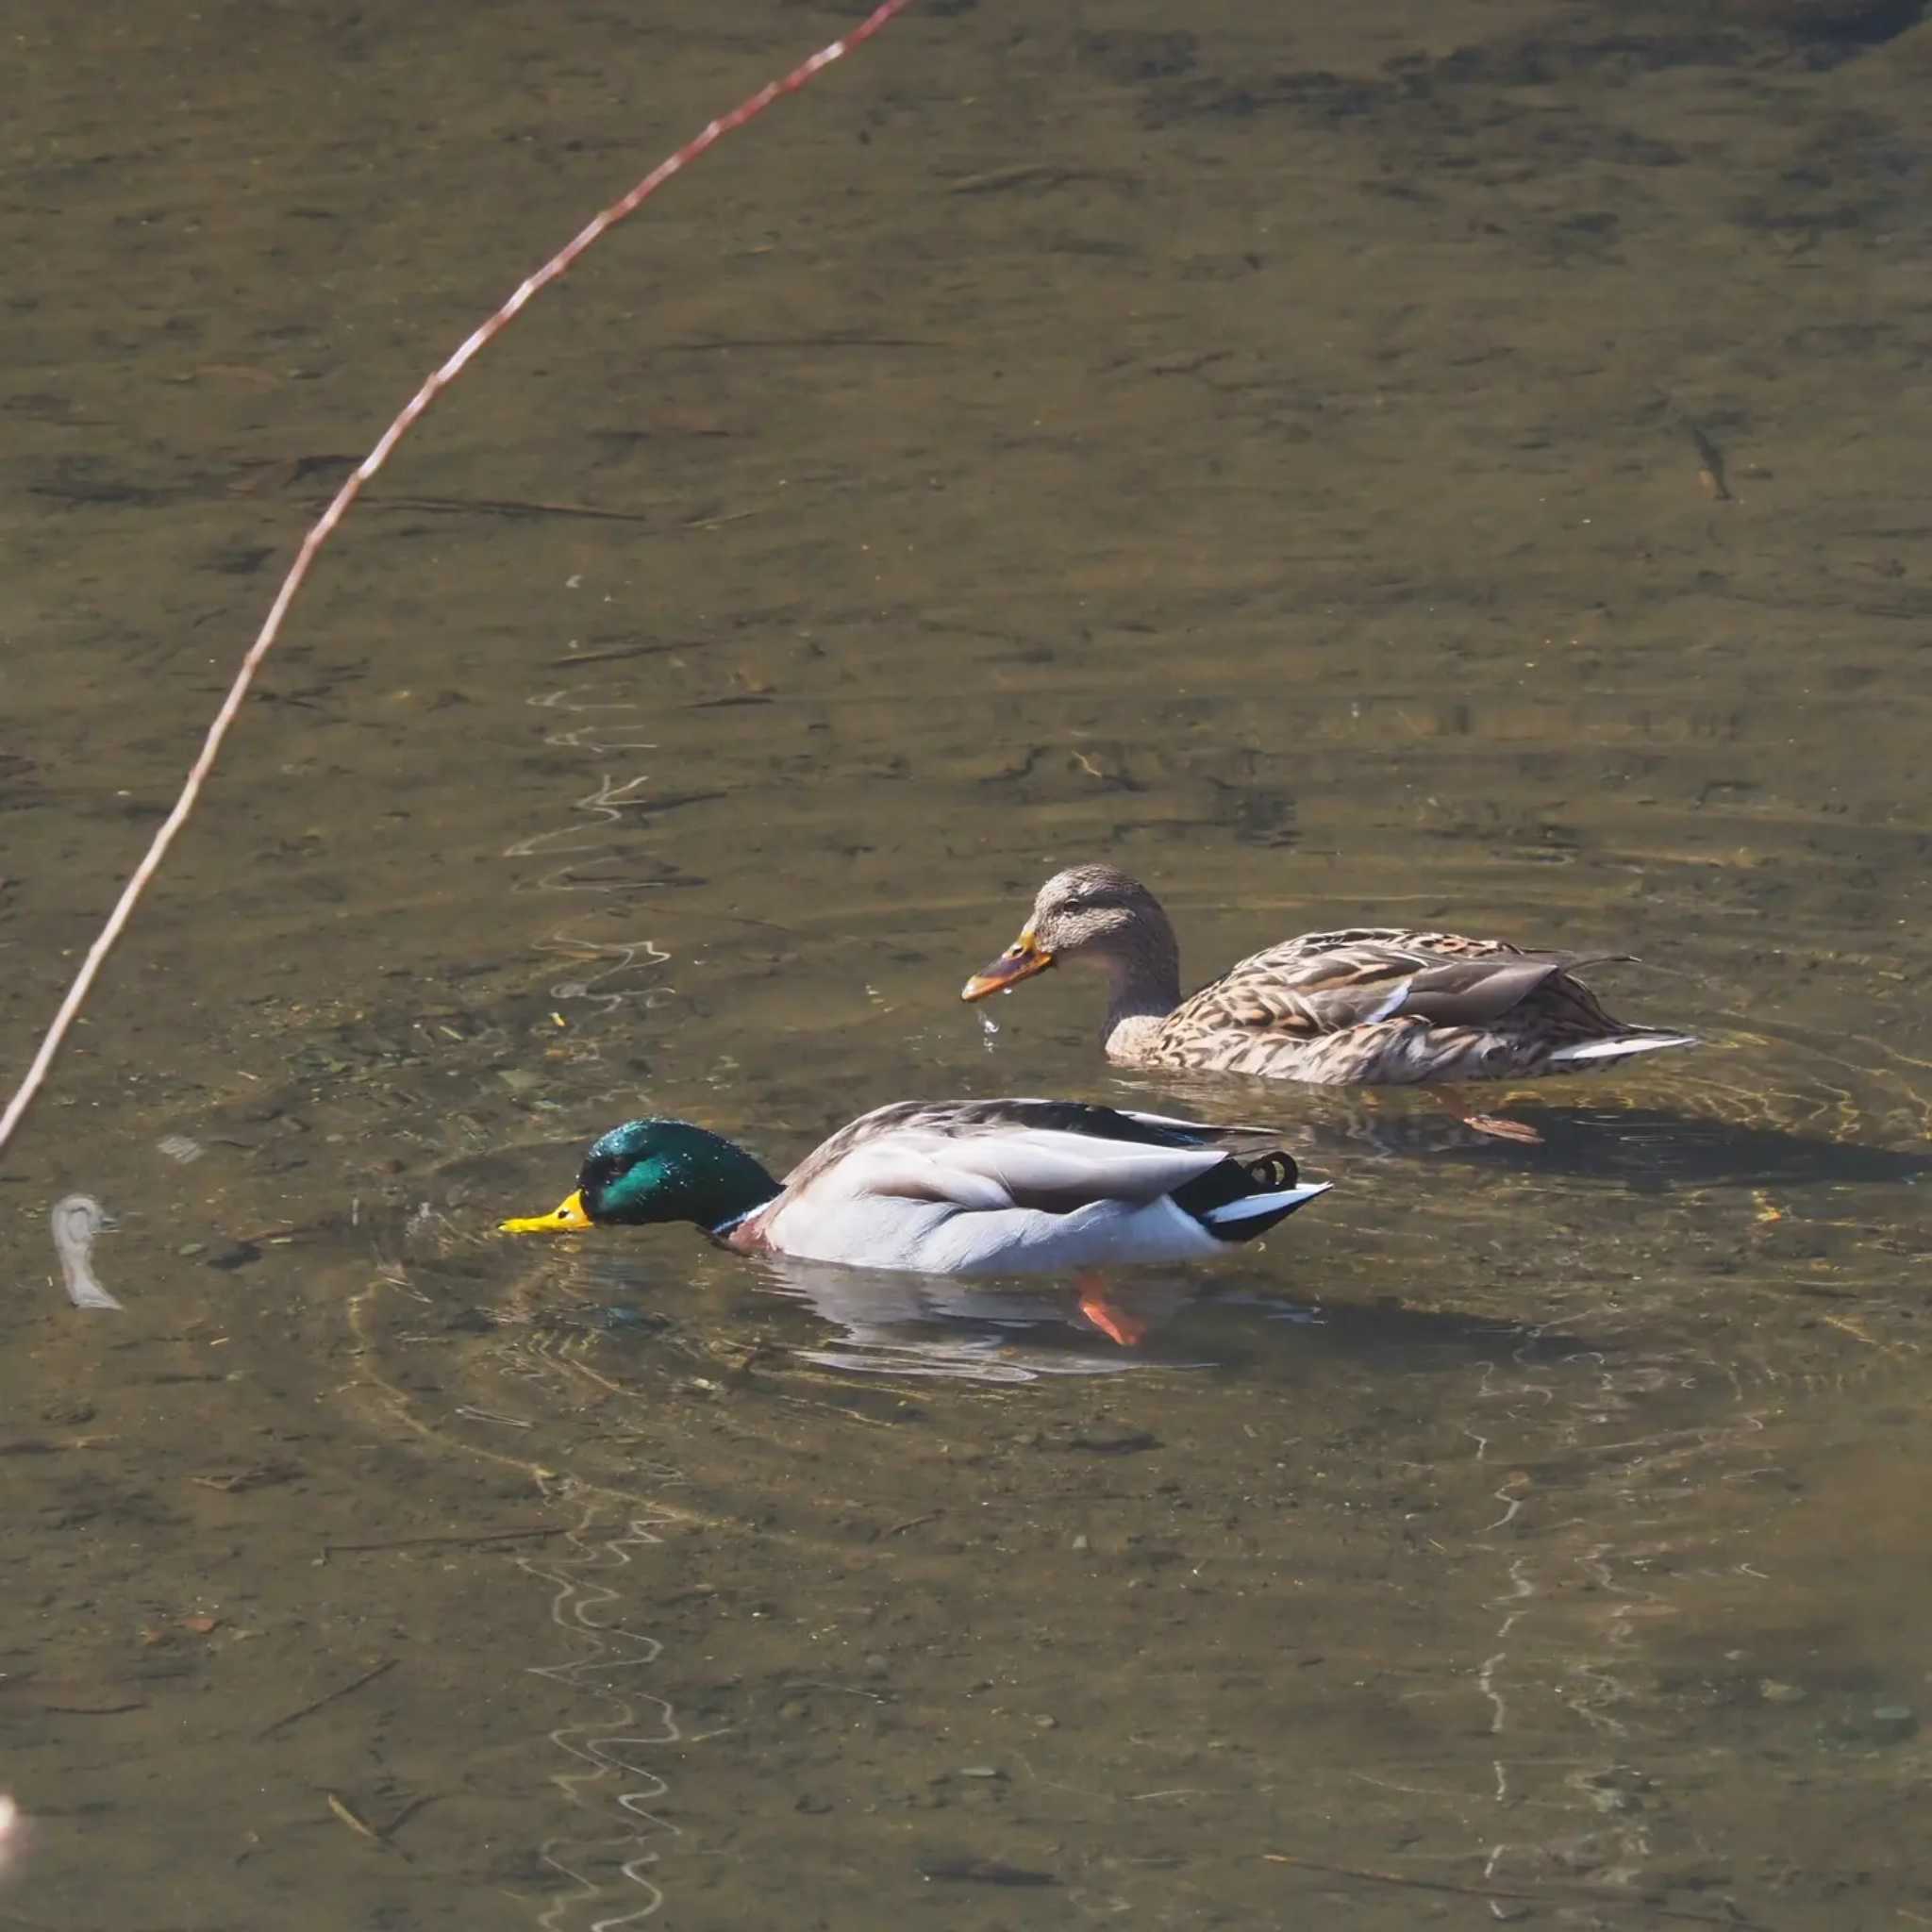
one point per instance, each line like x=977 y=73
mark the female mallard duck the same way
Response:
x=959 y=1186
x=1375 y=1005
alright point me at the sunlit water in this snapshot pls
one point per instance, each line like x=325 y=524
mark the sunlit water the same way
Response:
x=1259 y=454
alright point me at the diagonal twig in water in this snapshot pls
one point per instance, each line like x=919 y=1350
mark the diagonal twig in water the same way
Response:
x=433 y=386
x=1416 y=1882
x=453 y=1536
x=309 y=1709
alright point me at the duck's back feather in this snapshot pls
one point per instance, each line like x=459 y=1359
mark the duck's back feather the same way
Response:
x=976 y=1133
x=1381 y=1003
x=988 y=1185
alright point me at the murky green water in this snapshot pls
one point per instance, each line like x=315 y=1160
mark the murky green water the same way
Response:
x=1258 y=451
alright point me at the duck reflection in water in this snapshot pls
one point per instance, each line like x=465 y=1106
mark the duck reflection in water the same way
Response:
x=1086 y=1324
x=985 y=1331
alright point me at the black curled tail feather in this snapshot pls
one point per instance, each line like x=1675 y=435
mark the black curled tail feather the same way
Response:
x=1235 y=1180
x=1270 y=1172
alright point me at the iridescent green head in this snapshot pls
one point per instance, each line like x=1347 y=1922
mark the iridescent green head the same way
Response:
x=658 y=1170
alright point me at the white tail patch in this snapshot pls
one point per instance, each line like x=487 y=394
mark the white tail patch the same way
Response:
x=1622 y=1047
x=1282 y=1201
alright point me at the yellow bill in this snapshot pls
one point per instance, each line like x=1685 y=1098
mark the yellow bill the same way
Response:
x=1021 y=960
x=567 y=1214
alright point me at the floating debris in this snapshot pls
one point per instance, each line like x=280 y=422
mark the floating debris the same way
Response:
x=1894 y=1721
x=77 y=1219
x=352 y=1818
x=180 y=1147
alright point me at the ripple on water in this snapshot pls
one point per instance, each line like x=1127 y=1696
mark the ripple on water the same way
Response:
x=1512 y=1485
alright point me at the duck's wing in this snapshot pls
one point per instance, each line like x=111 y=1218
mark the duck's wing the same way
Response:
x=1328 y=982
x=992 y=1154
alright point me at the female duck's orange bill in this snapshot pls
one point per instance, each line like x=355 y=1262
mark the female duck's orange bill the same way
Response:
x=566 y=1215
x=1021 y=960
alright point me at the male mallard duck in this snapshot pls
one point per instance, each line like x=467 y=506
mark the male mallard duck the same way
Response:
x=958 y=1187
x=1375 y=1005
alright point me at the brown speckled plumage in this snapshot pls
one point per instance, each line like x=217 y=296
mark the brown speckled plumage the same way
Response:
x=1371 y=1005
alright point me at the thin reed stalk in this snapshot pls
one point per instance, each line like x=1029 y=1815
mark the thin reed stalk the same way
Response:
x=556 y=266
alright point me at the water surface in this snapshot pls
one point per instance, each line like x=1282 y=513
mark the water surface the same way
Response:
x=1266 y=456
